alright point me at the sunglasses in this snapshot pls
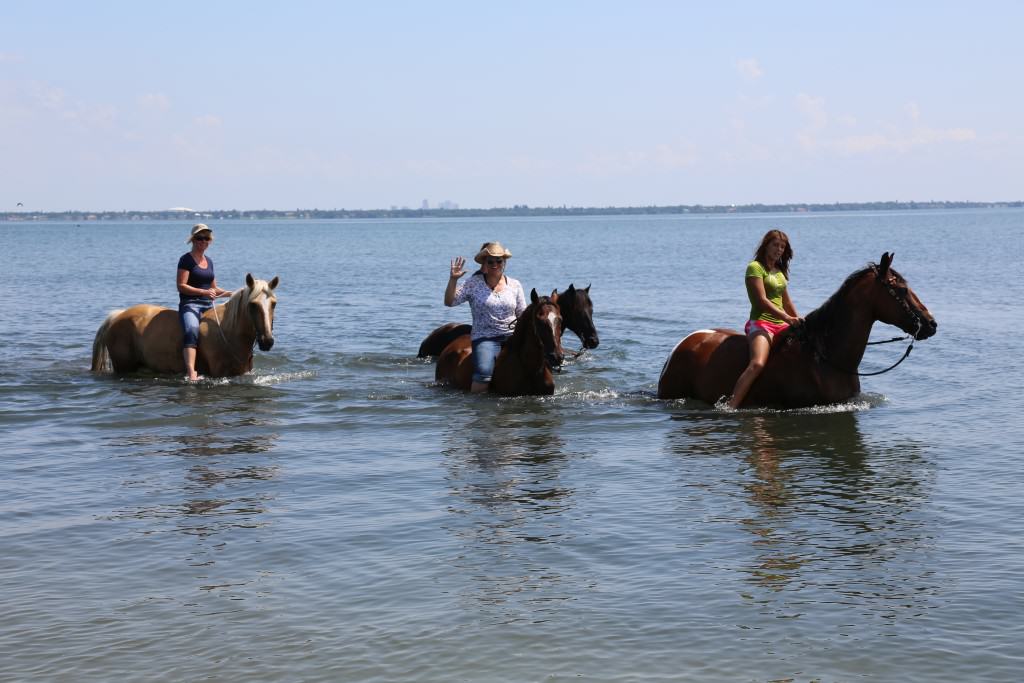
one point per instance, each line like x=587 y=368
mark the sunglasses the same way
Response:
x=494 y=261
x=202 y=239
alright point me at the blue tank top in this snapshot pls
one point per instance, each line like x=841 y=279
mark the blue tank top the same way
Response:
x=197 y=277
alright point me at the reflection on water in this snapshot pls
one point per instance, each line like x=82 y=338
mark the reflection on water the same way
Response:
x=213 y=478
x=504 y=460
x=819 y=505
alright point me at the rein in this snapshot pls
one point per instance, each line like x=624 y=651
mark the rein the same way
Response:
x=906 y=353
x=220 y=328
x=913 y=337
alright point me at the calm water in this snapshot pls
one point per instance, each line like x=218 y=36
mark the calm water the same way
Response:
x=334 y=517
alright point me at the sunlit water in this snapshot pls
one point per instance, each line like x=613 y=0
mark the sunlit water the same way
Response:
x=335 y=517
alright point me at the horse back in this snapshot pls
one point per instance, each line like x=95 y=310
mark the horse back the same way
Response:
x=454 y=367
x=145 y=336
x=704 y=365
x=440 y=338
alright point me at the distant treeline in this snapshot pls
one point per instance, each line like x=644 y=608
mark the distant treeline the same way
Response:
x=517 y=210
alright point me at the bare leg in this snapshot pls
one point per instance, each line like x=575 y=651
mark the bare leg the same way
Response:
x=760 y=345
x=479 y=387
x=190 y=363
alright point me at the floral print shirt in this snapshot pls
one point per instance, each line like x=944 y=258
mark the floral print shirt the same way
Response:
x=493 y=312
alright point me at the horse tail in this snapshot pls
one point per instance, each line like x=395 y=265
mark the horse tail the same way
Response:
x=437 y=340
x=100 y=353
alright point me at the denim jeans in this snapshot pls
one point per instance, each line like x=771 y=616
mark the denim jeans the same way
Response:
x=190 y=312
x=485 y=350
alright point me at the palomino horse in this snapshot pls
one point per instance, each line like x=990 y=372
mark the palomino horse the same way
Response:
x=812 y=364
x=146 y=336
x=577 y=315
x=524 y=365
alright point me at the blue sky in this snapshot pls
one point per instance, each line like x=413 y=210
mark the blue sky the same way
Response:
x=129 y=105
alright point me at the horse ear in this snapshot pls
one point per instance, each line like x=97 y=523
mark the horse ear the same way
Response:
x=554 y=296
x=533 y=295
x=587 y=289
x=273 y=283
x=571 y=290
x=883 y=267
x=249 y=282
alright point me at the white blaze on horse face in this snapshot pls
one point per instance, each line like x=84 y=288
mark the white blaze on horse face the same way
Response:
x=553 y=322
x=265 y=308
x=261 y=296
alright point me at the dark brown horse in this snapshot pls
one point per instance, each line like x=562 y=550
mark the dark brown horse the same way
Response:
x=147 y=336
x=812 y=364
x=577 y=315
x=524 y=365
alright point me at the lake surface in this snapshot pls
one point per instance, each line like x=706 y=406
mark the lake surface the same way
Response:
x=333 y=516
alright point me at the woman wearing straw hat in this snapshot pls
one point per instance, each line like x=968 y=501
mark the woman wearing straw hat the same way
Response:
x=495 y=300
x=197 y=289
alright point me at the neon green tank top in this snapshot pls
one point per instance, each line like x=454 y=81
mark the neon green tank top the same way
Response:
x=774 y=288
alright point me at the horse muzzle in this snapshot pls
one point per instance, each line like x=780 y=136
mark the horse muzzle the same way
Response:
x=555 y=361
x=265 y=342
x=927 y=329
x=590 y=341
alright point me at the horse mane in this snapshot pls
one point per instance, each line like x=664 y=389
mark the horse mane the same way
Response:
x=235 y=308
x=818 y=322
x=824 y=318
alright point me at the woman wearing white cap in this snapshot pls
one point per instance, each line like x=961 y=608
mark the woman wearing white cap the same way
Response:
x=197 y=289
x=495 y=300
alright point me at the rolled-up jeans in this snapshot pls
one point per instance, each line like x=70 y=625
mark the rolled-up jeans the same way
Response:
x=485 y=350
x=190 y=312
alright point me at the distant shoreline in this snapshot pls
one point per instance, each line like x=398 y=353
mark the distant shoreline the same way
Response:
x=517 y=210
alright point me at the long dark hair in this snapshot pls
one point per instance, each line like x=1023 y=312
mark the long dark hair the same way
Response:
x=787 y=253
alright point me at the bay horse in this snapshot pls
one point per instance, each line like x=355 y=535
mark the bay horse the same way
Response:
x=147 y=336
x=810 y=364
x=577 y=315
x=524 y=364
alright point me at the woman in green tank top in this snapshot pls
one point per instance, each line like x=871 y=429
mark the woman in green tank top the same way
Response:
x=771 y=309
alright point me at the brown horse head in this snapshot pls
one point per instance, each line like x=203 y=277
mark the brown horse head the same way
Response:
x=545 y=319
x=578 y=315
x=895 y=303
x=260 y=303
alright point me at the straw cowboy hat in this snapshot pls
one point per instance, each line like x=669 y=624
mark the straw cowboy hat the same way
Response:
x=493 y=249
x=196 y=229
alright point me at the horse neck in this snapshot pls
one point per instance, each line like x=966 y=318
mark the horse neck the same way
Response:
x=567 y=305
x=525 y=346
x=839 y=329
x=235 y=320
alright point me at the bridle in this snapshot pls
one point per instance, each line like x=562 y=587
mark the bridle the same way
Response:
x=583 y=349
x=900 y=294
x=220 y=328
x=543 y=301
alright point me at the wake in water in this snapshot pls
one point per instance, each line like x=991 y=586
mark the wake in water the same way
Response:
x=858 y=404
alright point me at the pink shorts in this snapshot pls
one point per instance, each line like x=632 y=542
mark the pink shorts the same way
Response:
x=754 y=326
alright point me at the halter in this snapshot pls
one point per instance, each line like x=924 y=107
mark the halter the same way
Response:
x=541 y=301
x=583 y=349
x=227 y=344
x=901 y=298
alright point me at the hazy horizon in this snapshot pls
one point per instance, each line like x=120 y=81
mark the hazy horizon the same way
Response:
x=580 y=104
